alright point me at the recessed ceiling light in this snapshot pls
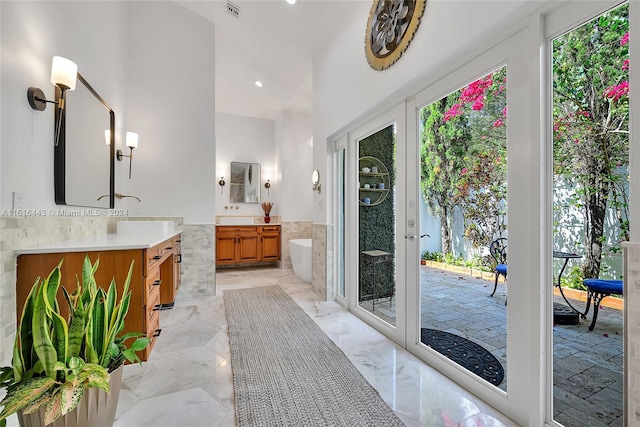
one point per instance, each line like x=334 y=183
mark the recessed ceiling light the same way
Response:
x=258 y=83
x=291 y=1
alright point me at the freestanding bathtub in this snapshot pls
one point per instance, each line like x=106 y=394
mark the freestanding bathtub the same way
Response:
x=301 y=258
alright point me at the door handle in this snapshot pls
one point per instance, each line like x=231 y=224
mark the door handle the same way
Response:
x=410 y=236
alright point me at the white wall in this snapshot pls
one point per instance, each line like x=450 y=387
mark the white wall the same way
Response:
x=294 y=157
x=345 y=87
x=31 y=34
x=249 y=140
x=171 y=96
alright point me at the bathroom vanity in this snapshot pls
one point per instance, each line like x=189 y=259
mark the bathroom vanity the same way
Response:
x=156 y=258
x=244 y=244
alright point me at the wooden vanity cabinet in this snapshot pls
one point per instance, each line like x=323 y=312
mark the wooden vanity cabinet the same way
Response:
x=154 y=282
x=247 y=244
x=270 y=243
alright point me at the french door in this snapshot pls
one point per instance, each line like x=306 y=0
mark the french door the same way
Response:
x=385 y=284
x=384 y=238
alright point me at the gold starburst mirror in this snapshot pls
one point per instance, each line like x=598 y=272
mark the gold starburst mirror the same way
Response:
x=390 y=28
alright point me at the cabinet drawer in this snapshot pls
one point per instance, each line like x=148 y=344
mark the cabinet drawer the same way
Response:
x=153 y=331
x=165 y=249
x=271 y=228
x=153 y=280
x=152 y=257
x=153 y=304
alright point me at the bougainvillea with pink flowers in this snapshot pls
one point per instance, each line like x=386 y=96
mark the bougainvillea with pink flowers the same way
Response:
x=591 y=130
x=463 y=159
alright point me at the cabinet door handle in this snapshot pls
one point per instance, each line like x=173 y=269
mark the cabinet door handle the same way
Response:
x=156 y=333
x=157 y=257
x=179 y=258
x=157 y=282
x=157 y=307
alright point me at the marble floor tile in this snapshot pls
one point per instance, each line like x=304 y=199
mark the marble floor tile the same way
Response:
x=188 y=379
x=188 y=408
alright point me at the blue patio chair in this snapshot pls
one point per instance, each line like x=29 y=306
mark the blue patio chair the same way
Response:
x=597 y=290
x=498 y=250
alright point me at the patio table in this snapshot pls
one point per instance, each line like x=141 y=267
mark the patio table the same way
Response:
x=561 y=314
x=373 y=258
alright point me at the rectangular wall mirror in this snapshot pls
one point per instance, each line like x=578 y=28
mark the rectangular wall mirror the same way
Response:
x=245 y=182
x=84 y=166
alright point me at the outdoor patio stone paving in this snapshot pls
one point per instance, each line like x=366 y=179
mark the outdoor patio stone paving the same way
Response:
x=587 y=365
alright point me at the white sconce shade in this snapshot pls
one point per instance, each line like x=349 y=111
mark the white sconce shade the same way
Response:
x=315 y=180
x=132 y=140
x=107 y=136
x=64 y=73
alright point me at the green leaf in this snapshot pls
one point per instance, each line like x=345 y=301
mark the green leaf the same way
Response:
x=22 y=357
x=93 y=375
x=110 y=305
x=60 y=336
x=24 y=393
x=76 y=331
x=42 y=343
x=37 y=403
x=140 y=344
x=99 y=322
x=51 y=288
x=64 y=400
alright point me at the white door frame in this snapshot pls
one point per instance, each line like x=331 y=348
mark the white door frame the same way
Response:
x=394 y=115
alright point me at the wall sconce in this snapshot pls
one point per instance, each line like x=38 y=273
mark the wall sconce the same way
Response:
x=267 y=185
x=64 y=74
x=221 y=183
x=132 y=142
x=315 y=180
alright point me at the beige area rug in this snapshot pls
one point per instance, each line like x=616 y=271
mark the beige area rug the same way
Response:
x=287 y=372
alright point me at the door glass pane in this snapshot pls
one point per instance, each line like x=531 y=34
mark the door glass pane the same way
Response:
x=590 y=212
x=376 y=226
x=463 y=182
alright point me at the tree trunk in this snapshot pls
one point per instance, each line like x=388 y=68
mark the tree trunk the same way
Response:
x=596 y=209
x=444 y=231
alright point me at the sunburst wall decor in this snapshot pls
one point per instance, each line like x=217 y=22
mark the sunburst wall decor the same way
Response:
x=390 y=28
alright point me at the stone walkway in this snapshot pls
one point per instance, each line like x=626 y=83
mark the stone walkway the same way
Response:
x=587 y=365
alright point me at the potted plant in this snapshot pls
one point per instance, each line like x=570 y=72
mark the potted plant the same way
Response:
x=266 y=207
x=60 y=365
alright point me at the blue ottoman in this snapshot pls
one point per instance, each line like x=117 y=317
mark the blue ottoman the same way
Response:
x=598 y=289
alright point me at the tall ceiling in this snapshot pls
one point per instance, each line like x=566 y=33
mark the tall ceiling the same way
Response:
x=271 y=41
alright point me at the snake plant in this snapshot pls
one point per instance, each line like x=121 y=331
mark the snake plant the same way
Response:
x=55 y=360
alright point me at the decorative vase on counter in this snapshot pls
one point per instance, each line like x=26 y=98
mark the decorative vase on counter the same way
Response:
x=267 y=219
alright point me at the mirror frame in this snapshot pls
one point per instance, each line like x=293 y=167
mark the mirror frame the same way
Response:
x=59 y=152
x=231 y=183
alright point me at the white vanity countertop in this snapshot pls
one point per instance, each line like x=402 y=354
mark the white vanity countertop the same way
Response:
x=105 y=242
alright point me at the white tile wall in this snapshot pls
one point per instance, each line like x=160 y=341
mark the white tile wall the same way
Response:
x=198 y=261
x=319 y=266
x=22 y=232
x=290 y=231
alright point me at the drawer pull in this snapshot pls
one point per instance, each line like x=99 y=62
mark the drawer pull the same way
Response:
x=156 y=333
x=157 y=282
x=168 y=248
x=179 y=241
x=157 y=307
x=157 y=257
